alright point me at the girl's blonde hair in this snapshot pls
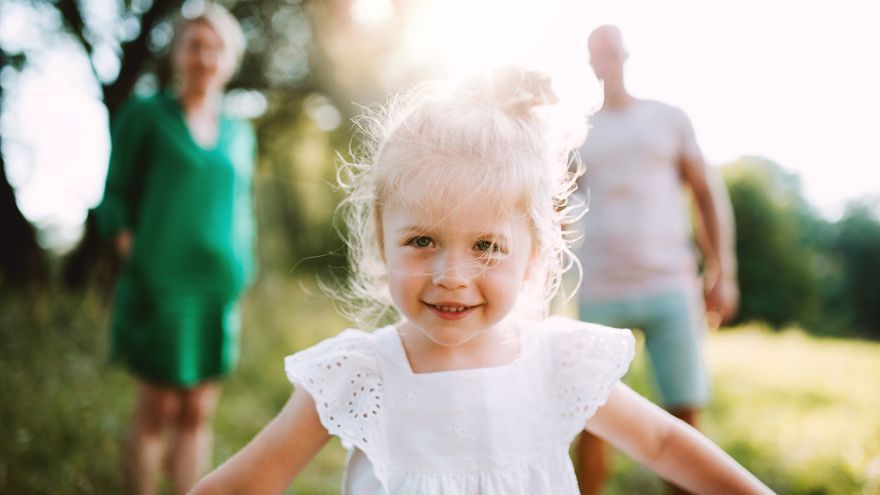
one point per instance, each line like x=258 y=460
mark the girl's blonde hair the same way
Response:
x=492 y=134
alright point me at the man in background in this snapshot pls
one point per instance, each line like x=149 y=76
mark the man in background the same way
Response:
x=639 y=267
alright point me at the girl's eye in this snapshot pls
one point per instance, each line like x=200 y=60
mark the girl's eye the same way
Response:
x=487 y=247
x=421 y=241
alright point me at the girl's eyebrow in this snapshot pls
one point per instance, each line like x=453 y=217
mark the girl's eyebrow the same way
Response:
x=478 y=234
x=411 y=228
x=492 y=235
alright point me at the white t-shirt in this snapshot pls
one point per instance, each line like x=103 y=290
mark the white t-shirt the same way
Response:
x=489 y=431
x=636 y=234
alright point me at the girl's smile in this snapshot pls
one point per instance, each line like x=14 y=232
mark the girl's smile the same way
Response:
x=451 y=310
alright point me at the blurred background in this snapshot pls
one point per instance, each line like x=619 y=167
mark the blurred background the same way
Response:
x=783 y=96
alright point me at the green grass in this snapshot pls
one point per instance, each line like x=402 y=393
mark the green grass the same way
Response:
x=799 y=411
x=809 y=407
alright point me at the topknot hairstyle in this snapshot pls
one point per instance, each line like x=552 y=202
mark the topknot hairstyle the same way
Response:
x=491 y=135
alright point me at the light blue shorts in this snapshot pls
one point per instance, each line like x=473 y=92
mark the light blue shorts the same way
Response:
x=673 y=324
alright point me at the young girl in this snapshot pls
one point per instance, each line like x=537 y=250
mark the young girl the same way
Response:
x=455 y=223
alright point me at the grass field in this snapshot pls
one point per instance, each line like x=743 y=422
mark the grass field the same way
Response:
x=801 y=412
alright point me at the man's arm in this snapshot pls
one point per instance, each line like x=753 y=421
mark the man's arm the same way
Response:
x=716 y=235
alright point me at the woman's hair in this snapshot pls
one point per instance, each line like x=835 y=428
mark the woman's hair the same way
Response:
x=221 y=21
x=491 y=136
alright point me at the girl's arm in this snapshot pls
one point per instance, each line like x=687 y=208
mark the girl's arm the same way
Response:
x=270 y=462
x=670 y=447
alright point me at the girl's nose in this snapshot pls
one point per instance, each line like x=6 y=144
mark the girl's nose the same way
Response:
x=451 y=272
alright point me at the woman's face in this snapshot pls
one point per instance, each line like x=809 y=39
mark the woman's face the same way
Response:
x=199 y=58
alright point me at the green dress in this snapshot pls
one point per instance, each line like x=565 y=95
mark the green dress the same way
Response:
x=176 y=318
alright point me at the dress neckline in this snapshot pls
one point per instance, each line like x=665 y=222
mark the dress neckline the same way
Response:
x=174 y=99
x=391 y=343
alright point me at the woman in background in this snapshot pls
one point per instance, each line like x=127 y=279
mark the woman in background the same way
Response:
x=178 y=207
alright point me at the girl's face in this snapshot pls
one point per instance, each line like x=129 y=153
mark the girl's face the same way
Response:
x=454 y=272
x=199 y=58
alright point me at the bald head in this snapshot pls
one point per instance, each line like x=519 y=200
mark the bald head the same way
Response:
x=606 y=37
x=607 y=53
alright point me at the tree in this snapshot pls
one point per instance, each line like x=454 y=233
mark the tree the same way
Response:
x=778 y=266
x=856 y=243
x=279 y=36
x=296 y=49
x=22 y=262
x=86 y=260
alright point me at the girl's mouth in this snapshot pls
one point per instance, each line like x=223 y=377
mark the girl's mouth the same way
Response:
x=449 y=311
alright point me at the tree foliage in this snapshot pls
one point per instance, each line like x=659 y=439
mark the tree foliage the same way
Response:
x=856 y=246
x=776 y=278
x=276 y=65
x=309 y=59
x=23 y=264
x=796 y=267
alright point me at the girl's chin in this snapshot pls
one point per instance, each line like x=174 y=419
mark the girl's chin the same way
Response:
x=452 y=337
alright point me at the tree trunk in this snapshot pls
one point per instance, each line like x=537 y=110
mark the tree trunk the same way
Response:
x=23 y=263
x=92 y=263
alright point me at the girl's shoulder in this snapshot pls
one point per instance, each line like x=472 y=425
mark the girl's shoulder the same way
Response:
x=568 y=336
x=587 y=360
x=343 y=377
x=349 y=350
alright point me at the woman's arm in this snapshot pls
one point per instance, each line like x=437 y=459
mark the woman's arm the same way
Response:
x=270 y=462
x=670 y=447
x=130 y=140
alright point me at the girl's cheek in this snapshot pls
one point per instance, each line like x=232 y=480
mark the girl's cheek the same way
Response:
x=410 y=261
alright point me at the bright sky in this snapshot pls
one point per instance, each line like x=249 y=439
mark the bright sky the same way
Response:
x=797 y=82
x=793 y=81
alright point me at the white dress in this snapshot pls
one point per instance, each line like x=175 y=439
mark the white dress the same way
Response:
x=489 y=431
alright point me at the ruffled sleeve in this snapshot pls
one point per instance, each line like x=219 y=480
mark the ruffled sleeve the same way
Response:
x=343 y=377
x=588 y=361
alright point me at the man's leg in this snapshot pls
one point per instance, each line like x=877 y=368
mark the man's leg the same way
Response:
x=673 y=333
x=592 y=456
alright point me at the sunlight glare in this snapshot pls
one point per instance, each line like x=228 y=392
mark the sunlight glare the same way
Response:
x=746 y=89
x=463 y=37
x=56 y=146
x=371 y=12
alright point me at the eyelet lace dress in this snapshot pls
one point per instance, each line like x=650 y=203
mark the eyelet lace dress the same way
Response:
x=488 y=431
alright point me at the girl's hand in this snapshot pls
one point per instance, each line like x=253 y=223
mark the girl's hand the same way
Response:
x=123 y=241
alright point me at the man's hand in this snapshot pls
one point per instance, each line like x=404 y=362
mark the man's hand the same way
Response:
x=721 y=295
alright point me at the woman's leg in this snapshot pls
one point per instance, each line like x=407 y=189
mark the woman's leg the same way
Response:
x=193 y=438
x=156 y=408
